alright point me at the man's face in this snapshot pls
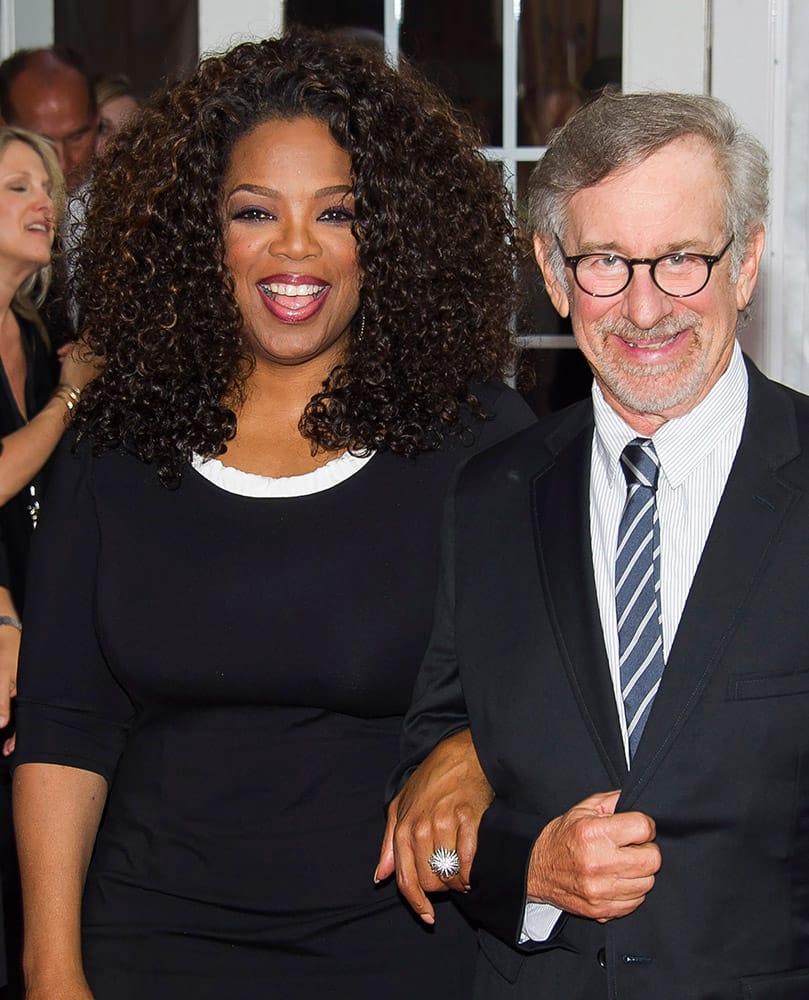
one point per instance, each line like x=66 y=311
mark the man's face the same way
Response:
x=655 y=356
x=57 y=106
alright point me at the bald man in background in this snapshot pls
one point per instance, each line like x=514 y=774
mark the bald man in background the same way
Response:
x=48 y=92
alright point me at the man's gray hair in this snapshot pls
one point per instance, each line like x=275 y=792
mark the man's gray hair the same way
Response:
x=619 y=131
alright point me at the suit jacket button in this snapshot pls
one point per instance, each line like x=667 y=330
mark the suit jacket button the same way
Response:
x=602 y=958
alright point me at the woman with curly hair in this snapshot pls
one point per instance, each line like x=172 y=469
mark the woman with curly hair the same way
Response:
x=299 y=271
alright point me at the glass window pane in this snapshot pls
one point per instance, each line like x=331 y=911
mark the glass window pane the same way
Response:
x=365 y=19
x=568 y=49
x=560 y=374
x=459 y=47
x=537 y=317
x=149 y=41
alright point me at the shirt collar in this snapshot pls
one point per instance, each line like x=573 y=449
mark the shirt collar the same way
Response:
x=682 y=443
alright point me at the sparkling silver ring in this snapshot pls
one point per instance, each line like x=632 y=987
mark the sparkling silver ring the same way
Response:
x=444 y=862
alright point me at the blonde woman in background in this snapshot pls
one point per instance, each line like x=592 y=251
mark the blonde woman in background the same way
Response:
x=37 y=396
x=116 y=106
x=34 y=408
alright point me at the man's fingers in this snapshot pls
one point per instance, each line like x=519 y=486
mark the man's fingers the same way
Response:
x=595 y=862
x=633 y=828
x=616 y=830
x=603 y=803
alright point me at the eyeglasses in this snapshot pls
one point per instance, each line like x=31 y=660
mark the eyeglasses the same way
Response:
x=678 y=274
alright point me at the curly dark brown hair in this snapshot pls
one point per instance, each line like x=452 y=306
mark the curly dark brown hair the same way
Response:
x=436 y=246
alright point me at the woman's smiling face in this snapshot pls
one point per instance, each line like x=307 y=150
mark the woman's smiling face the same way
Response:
x=288 y=213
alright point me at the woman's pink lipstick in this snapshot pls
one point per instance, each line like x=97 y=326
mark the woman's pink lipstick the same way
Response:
x=293 y=298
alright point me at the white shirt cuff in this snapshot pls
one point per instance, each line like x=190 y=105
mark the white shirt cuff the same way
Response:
x=538 y=921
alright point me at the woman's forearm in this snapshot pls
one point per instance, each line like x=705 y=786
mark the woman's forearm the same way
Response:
x=26 y=450
x=57 y=810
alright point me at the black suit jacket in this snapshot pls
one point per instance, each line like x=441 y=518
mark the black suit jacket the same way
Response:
x=723 y=765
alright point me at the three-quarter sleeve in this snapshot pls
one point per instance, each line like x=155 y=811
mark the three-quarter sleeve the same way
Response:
x=70 y=708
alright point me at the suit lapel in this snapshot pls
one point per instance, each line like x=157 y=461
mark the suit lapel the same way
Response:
x=750 y=514
x=561 y=503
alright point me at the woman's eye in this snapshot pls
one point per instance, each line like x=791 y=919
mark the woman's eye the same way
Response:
x=251 y=214
x=337 y=214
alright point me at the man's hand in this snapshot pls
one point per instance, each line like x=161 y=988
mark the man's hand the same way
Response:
x=440 y=806
x=593 y=861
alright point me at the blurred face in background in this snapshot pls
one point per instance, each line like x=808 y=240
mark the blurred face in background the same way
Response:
x=26 y=214
x=54 y=101
x=112 y=116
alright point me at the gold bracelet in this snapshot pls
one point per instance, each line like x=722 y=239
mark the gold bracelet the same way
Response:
x=69 y=394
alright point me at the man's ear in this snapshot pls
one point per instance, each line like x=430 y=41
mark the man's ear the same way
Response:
x=748 y=272
x=558 y=295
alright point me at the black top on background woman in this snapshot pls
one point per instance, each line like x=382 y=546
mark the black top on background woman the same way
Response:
x=32 y=201
x=33 y=416
x=300 y=271
x=32 y=420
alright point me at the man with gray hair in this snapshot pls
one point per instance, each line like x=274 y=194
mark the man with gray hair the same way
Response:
x=622 y=622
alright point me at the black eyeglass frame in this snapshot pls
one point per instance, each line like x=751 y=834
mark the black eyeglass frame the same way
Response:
x=709 y=259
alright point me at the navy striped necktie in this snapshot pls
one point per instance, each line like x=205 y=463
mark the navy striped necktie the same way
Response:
x=637 y=588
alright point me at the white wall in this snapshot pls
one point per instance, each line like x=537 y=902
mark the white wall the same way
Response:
x=666 y=45
x=743 y=73
x=760 y=68
x=225 y=22
x=794 y=350
x=751 y=54
x=25 y=24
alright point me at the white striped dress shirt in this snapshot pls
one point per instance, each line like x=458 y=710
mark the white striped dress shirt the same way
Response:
x=696 y=452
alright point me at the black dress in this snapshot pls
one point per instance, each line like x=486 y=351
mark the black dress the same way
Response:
x=16 y=527
x=238 y=669
x=16 y=523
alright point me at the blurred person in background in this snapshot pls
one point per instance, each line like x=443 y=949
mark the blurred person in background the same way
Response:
x=116 y=103
x=34 y=411
x=48 y=91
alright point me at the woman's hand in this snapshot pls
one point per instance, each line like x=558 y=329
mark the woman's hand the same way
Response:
x=77 y=367
x=440 y=806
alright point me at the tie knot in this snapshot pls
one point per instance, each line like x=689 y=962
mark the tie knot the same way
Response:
x=640 y=463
